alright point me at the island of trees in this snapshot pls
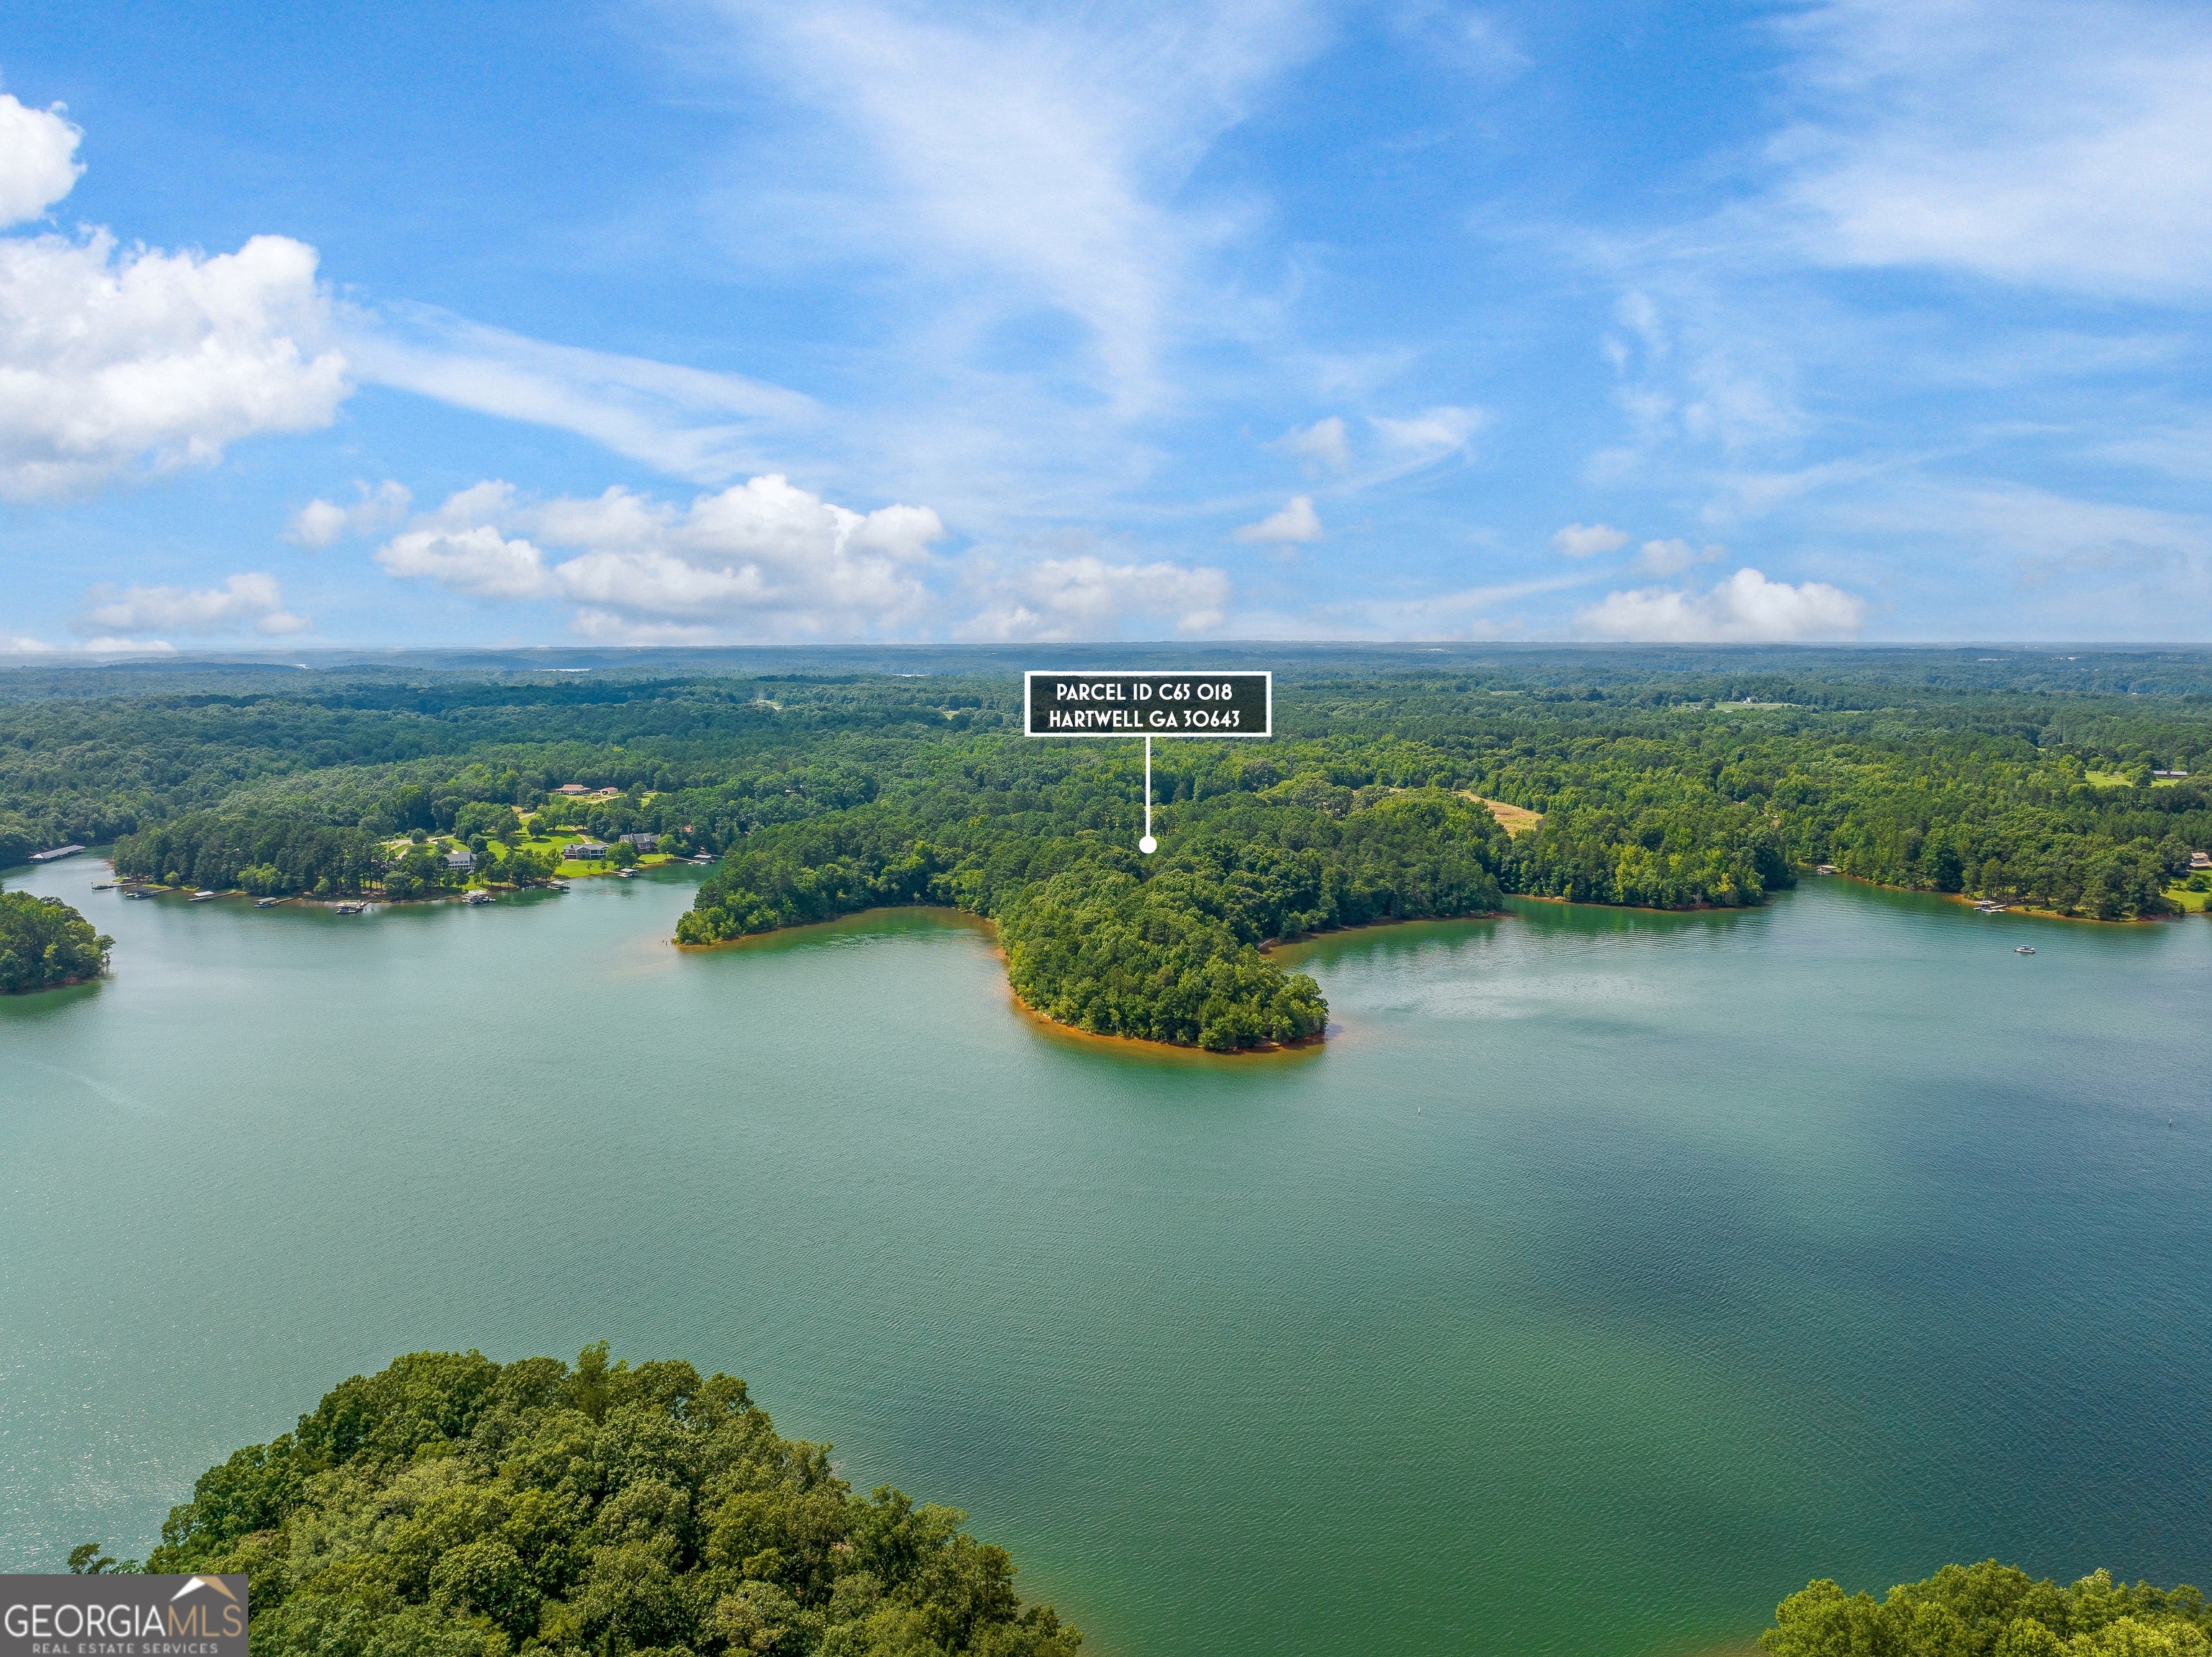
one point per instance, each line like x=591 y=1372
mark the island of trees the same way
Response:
x=1990 y=1610
x=453 y=1507
x=44 y=944
x=2075 y=785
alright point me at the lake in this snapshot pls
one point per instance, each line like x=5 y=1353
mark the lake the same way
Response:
x=1606 y=1276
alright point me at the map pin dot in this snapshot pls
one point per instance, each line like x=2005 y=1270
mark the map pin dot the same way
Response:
x=1148 y=845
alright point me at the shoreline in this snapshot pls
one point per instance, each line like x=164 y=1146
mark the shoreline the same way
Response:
x=1043 y=1020
x=2010 y=907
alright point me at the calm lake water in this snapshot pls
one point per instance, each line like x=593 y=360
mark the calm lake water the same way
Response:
x=1604 y=1278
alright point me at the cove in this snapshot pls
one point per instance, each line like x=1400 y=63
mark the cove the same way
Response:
x=1604 y=1277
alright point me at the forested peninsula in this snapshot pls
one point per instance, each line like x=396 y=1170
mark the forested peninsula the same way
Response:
x=1990 y=1610
x=44 y=944
x=453 y=1507
x=828 y=782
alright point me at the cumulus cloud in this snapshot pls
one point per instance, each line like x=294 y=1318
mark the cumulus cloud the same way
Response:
x=1086 y=597
x=1746 y=607
x=2038 y=141
x=1322 y=442
x=1671 y=557
x=762 y=558
x=1585 y=540
x=254 y=601
x=1297 y=521
x=125 y=364
x=321 y=523
x=38 y=160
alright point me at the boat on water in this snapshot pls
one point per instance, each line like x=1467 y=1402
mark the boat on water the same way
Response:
x=479 y=898
x=626 y=874
x=351 y=909
x=267 y=903
x=2022 y=949
x=137 y=891
x=202 y=896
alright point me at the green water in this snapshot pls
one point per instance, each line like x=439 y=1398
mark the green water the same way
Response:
x=1605 y=1277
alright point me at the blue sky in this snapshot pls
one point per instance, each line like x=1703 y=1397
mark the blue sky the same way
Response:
x=528 y=324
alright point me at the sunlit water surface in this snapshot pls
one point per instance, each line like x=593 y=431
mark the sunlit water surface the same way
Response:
x=1605 y=1277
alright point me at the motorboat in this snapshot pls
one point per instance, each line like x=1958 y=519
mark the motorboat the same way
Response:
x=202 y=896
x=479 y=898
x=137 y=891
x=626 y=874
x=2023 y=949
x=267 y=903
x=351 y=909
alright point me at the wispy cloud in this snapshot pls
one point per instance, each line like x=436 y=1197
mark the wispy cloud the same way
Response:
x=2048 y=142
x=1043 y=154
x=684 y=422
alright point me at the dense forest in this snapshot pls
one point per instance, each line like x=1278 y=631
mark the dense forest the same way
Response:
x=1666 y=779
x=1993 y=1610
x=453 y=1507
x=44 y=943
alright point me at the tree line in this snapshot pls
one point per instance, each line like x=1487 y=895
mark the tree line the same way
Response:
x=1990 y=1610
x=453 y=1507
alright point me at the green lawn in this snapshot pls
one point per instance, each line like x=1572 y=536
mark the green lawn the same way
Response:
x=2117 y=780
x=2191 y=901
x=567 y=870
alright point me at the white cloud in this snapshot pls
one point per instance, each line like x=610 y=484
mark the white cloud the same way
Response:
x=1583 y=540
x=1746 y=607
x=476 y=560
x=1671 y=557
x=26 y=647
x=759 y=559
x=2036 y=141
x=685 y=422
x=1323 y=441
x=1431 y=435
x=320 y=523
x=252 y=601
x=119 y=365
x=38 y=160
x=1087 y=597
x=1297 y=521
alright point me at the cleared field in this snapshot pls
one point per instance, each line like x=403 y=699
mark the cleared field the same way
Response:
x=1514 y=820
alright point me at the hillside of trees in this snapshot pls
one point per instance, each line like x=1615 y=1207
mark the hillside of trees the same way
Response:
x=1990 y=1610
x=45 y=943
x=453 y=1507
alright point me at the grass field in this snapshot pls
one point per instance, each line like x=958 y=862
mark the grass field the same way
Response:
x=1514 y=820
x=2191 y=901
x=2115 y=780
x=566 y=869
